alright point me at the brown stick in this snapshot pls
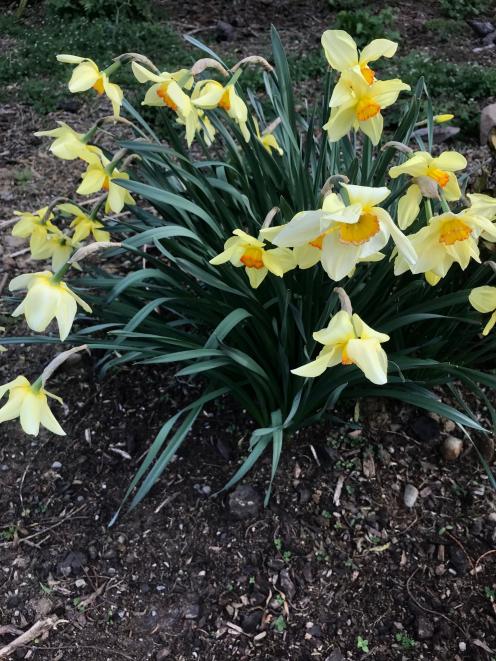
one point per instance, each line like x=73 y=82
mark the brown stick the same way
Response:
x=33 y=632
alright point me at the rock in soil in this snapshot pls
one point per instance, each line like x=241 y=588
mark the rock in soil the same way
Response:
x=451 y=448
x=244 y=502
x=410 y=495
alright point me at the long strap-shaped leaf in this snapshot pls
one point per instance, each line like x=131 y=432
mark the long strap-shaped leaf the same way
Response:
x=194 y=409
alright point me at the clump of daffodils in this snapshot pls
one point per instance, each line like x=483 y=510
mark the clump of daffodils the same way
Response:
x=410 y=215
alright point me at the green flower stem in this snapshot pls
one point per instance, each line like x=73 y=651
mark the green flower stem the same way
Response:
x=428 y=208
x=112 y=68
x=113 y=163
x=37 y=385
x=444 y=204
x=97 y=207
x=52 y=205
x=57 y=277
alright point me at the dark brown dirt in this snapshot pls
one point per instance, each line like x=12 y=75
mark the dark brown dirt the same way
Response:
x=181 y=578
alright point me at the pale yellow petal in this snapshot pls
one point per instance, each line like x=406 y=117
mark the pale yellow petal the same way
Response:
x=483 y=299
x=256 y=276
x=376 y=49
x=370 y=357
x=340 y=49
x=409 y=206
x=30 y=413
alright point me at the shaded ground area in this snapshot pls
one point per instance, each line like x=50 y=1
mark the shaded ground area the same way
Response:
x=336 y=556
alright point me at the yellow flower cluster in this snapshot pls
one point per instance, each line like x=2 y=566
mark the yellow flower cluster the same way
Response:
x=350 y=227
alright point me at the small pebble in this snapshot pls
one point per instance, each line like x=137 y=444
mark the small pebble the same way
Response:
x=410 y=495
x=451 y=448
x=462 y=646
x=56 y=465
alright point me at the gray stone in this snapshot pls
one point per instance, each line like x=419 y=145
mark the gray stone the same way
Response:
x=244 y=502
x=410 y=495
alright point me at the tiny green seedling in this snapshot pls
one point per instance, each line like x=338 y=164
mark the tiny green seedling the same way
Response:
x=279 y=624
x=362 y=644
x=405 y=641
x=490 y=593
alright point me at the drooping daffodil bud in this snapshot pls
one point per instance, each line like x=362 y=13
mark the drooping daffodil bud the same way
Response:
x=349 y=341
x=440 y=119
x=99 y=176
x=244 y=250
x=47 y=298
x=428 y=173
x=87 y=75
x=267 y=138
x=446 y=239
x=29 y=403
x=483 y=299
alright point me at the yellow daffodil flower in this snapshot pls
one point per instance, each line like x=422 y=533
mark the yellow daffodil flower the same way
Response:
x=45 y=300
x=87 y=75
x=98 y=177
x=357 y=105
x=342 y=53
x=166 y=92
x=209 y=94
x=34 y=227
x=448 y=238
x=344 y=235
x=267 y=139
x=68 y=144
x=84 y=225
x=483 y=299
x=244 y=250
x=29 y=403
x=428 y=173
x=349 y=341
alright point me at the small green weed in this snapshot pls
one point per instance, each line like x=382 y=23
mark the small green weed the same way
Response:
x=490 y=593
x=8 y=534
x=362 y=645
x=279 y=624
x=405 y=641
x=23 y=176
